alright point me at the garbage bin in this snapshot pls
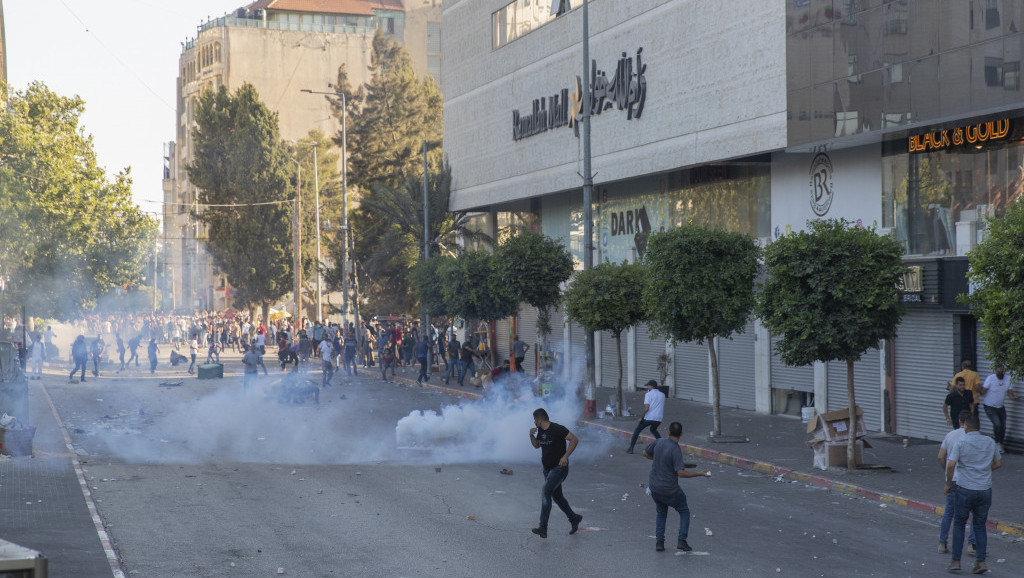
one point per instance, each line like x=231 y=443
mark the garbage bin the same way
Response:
x=21 y=562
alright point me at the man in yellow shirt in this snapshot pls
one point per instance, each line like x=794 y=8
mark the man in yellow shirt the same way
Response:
x=972 y=381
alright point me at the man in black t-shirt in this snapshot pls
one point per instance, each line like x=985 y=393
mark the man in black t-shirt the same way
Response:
x=957 y=400
x=551 y=439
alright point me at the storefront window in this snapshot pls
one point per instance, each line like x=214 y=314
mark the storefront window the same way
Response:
x=937 y=201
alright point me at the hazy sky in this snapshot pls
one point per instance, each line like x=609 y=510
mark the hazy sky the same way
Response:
x=121 y=57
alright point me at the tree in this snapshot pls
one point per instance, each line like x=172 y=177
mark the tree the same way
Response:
x=388 y=237
x=69 y=235
x=426 y=282
x=831 y=294
x=472 y=290
x=326 y=173
x=997 y=298
x=533 y=267
x=396 y=112
x=243 y=169
x=607 y=298
x=701 y=286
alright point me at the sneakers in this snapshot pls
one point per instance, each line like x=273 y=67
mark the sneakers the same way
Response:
x=629 y=450
x=943 y=548
x=542 y=532
x=954 y=566
x=972 y=550
x=575 y=521
x=682 y=545
x=979 y=568
x=659 y=546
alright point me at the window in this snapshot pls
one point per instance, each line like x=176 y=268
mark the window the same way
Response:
x=991 y=14
x=519 y=17
x=434 y=67
x=993 y=71
x=1011 y=75
x=433 y=37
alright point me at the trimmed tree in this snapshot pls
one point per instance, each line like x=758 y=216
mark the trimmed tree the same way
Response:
x=533 y=267
x=606 y=298
x=700 y=286
x=472 y=290
x=425 y=278
x=997 y=298
x=831 y=294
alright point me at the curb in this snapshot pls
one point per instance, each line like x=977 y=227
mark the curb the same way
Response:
x=816 y=480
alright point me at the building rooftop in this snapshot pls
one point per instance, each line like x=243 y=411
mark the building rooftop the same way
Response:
x=354 y=7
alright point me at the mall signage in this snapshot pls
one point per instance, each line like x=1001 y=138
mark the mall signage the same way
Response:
x=972 y=135
x=626 y=90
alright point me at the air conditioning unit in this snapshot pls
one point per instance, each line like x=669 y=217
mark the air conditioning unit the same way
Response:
x=20 y=562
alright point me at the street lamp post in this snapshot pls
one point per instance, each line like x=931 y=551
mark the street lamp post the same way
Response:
x=344 y=200
x=316 y=188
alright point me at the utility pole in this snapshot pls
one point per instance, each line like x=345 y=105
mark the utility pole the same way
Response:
x=316 y=188
x=590 y=408
x=296 y=222
x=426 y=252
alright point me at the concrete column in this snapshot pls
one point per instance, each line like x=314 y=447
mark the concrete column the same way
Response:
x=762 y=369
x=820 y=387
x=598 y=362
x=631 y=359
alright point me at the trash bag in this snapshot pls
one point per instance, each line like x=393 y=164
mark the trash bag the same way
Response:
x=177 y=358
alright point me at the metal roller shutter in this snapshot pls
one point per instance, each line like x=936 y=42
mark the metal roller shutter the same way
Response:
x=648 y=351
x=610 y=360
x=526 y=326
x=736 y=369
x=923 y=366
x=556 y=341
x=797 y=378
x=692 y=371
x=867 y=387
x=502 y=339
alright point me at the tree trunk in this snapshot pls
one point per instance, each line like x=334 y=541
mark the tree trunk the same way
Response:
x=715 y=397
x=851 y=444
x=618 y=385
x=265 y=314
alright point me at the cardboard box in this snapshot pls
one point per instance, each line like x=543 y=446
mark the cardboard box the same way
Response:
x=835 y=425
x=16 y=442
x=211 y=371
x=832 y=454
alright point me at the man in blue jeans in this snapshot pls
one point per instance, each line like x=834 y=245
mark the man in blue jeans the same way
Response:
x=948 y=442
x=654 y=412
x=668 y=467
x=551 y=439
x=973 y=459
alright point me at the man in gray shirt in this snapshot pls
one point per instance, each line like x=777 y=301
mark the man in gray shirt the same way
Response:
x=973 y=459
x=519 y=352
x=668 y=467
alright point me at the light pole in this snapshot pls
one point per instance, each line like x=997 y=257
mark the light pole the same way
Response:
x=344 y=198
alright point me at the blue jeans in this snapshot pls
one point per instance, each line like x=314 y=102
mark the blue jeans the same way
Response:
x=640 y=427
x=947 y=520
x=997 y=415
x=552 y=490
x=454 y=367
x=974 y=503
x=465 y=367
x=677 y=502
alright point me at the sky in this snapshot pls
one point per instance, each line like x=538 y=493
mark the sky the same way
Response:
x=121 y=57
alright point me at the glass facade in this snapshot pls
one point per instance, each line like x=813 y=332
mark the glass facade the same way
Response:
x=518 y=18
x=735 y=197
x=858 y=66
x=937 y=196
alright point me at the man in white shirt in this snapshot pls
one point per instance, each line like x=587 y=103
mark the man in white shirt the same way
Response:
x=326 y=350
x=994 y=392
x=654 y=412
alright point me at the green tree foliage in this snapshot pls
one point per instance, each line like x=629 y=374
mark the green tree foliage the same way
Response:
x=701 y=286
x=831 y=294
x=241 y=161
x=388 y=238
x=426 y=281
x=997 y=300
x=69 y=235
x=472 y=289
x=533 y=267
x=397 y=112
x=607 y=298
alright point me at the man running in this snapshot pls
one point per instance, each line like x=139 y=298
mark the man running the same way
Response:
x=551 y=438
x=668 y=467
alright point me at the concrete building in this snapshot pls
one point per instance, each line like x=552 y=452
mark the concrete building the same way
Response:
x=280 y=47
x=756 y=116
x=3 y=47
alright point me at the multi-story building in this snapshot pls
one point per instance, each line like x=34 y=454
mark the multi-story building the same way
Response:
x=756 y=116
x=280 y=47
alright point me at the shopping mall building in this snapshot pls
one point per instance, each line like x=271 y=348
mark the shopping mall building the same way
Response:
x=756 y=116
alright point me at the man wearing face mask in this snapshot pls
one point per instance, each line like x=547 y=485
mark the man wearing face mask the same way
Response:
x=994 y=392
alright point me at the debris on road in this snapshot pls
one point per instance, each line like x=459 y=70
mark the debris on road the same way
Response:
x=172 y=383
x=506 y=471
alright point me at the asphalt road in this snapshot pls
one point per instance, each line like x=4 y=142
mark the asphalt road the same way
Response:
x=200 y=480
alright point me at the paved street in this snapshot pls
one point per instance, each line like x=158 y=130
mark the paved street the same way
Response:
x=198 y=480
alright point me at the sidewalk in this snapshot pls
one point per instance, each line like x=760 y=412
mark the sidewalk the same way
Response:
x=776 y=448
